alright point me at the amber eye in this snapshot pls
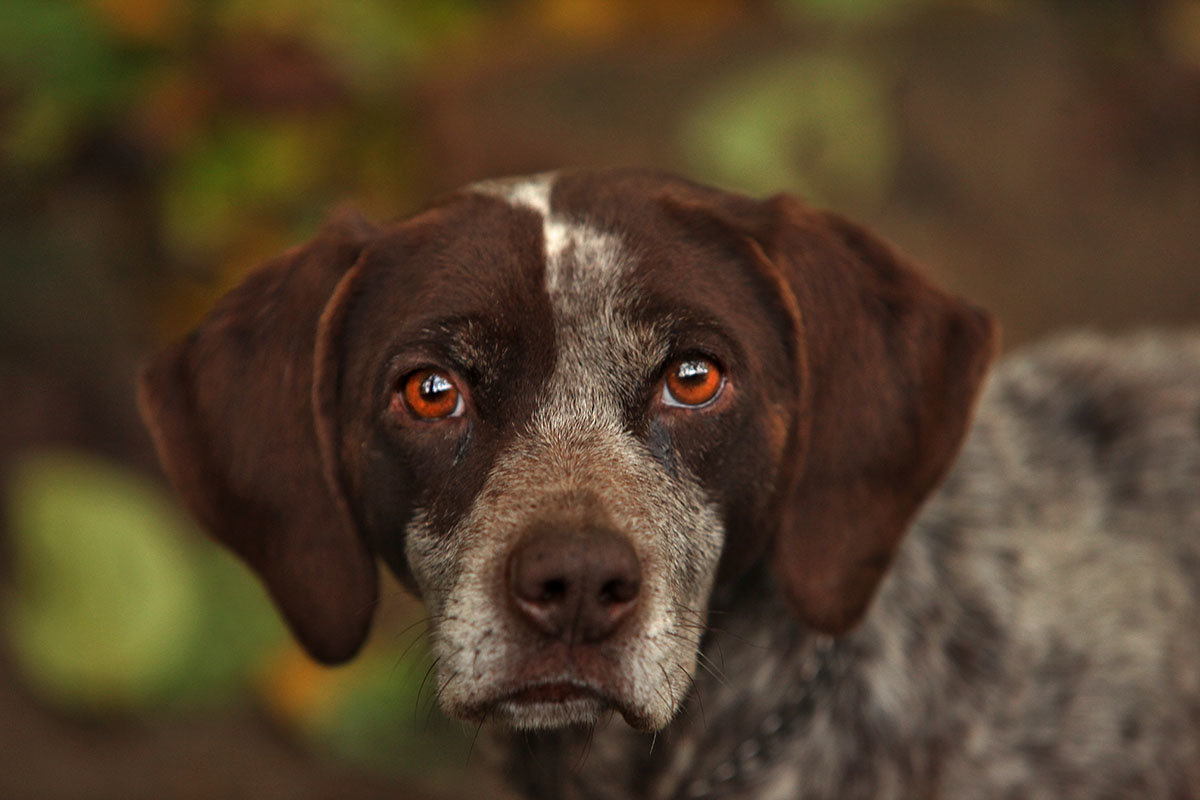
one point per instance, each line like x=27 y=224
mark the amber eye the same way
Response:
x=691 y=382
x=431 y=394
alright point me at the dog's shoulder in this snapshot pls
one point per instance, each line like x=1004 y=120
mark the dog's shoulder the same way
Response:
x=1069 y=528
x=1086 y=450
x=1118 y=417
x=1113 y=418
x=1104 y=391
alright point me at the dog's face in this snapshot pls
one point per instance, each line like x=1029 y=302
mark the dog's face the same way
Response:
x=560 y=408
x=603 y=414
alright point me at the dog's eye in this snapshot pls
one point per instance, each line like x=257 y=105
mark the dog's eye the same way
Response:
x=431 y=394
x=692 y=382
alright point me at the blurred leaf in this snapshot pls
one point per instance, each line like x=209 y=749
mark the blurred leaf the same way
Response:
x=298 y=690
x=106 y=599
x=378 y=710
x=590 y=21
x=118 y=603
x=237 y=631
x=582 y=19
x=247 y=166
x=55 y=45
x=817 y=124
x=383 y=712
x=68 y=70
x=172 y=108
x=375 y=41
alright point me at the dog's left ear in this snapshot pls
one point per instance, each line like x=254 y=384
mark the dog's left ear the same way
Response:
x=240 y=412
x=886 y=370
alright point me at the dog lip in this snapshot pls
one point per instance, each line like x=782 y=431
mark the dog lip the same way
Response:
x=563 y=692
x=558 y=683
x=560 y=691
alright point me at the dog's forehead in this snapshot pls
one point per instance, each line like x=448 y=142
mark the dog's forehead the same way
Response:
x=587 y=272
x=486 y=249
x=553 y=268
x=575 y=249
x=604 y=239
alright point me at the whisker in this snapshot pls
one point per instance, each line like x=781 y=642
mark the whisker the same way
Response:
x=423 y=620
x=417 y=700
x=411 y=644
x=742 y=639
x=474 y=738
x=667 y=678
x=699 y=618
x=711 y=668
x=704 y=659
x=436 y=699
x=661 y=696
x=699 y=695
x=586 y=751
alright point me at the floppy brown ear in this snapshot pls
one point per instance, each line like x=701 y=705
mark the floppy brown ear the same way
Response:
x=885 y=371
x=231 y=411
x=890 y=370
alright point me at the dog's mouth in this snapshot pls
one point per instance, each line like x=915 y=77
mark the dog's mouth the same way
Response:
x=558 y=692
x=556 y=703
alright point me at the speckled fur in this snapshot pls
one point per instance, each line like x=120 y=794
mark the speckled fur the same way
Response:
x=575 y=453
x=1035 y=635
x=1038 y=636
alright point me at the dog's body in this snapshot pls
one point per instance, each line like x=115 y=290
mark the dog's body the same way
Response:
x=1036 y=637
x=651 y=448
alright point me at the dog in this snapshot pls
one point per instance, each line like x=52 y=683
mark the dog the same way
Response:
x=663 y=458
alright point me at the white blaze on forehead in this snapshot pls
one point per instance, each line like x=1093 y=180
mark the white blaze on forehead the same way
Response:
x=532 y=191
x=603 y=351
x=594 y=254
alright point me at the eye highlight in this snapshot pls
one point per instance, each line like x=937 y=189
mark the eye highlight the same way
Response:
x=431 y=394
x=692 y=382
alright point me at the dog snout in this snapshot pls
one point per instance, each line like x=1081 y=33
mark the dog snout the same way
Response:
x=575 y=585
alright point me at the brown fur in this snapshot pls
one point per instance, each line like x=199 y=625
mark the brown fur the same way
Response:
x=889 y=617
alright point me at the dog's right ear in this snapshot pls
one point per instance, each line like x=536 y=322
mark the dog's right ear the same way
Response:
x=885 y=369
x=231 y=411
x=893 y=368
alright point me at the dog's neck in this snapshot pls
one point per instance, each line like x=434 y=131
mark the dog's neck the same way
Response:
x=769 y=693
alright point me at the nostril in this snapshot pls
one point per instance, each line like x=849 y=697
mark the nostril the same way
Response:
x=617 y=591
x=553 y=591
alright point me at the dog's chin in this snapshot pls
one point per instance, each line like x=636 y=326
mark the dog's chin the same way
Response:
x=558 y=704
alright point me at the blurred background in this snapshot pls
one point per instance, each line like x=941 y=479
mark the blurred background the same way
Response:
x=1041 y=157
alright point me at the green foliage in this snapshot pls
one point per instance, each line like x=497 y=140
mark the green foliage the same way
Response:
x=69 y=71
x=386 y=712
x=818 y=124
x=246 y=167
x=121 y=607
x=117 y=606
x=374 y=40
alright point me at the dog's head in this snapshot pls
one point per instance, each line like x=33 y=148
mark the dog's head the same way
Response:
x=560 y=408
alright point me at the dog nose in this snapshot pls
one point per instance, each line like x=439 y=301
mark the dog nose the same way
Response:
x=574 y=585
